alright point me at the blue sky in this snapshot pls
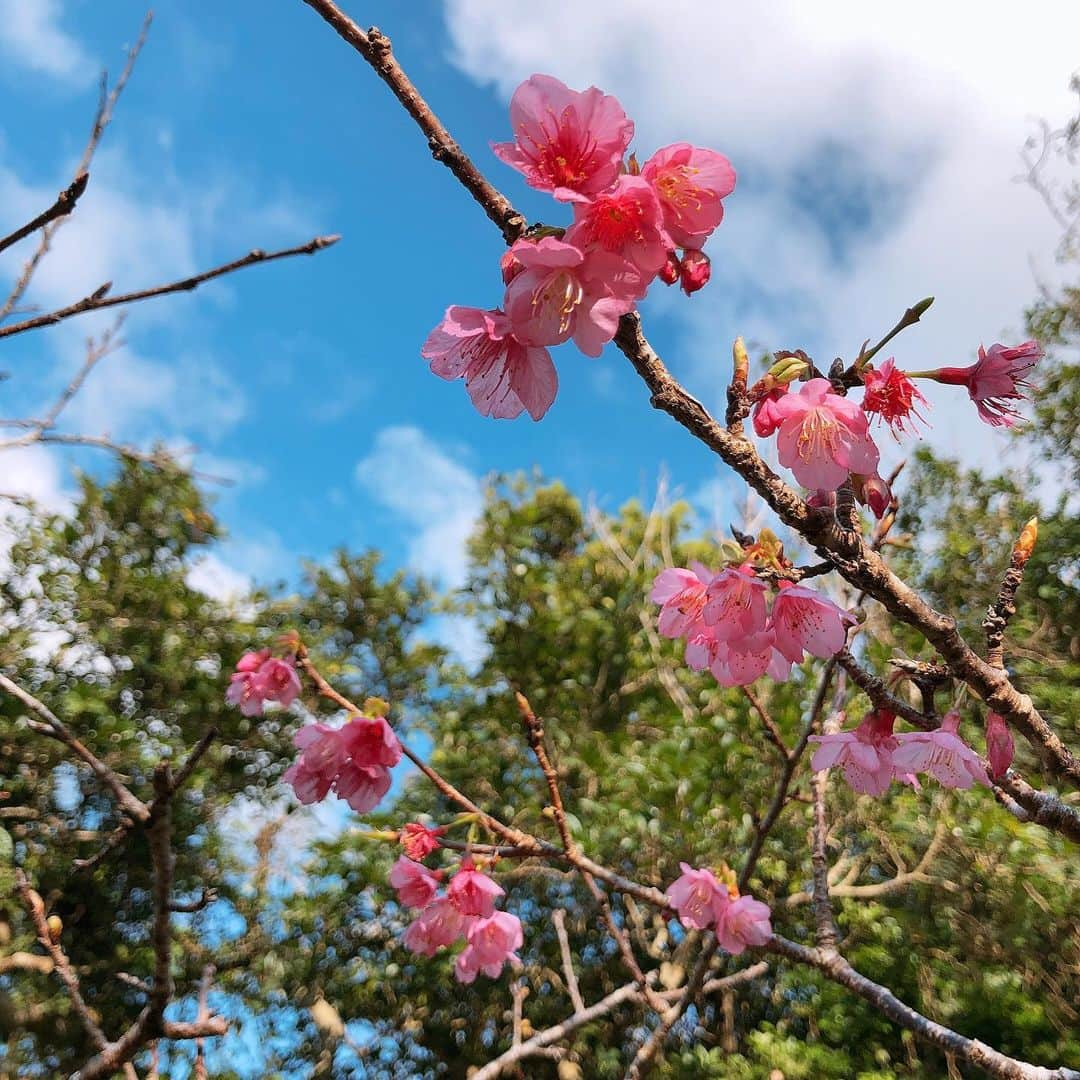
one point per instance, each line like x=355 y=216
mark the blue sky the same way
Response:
x=876 y=165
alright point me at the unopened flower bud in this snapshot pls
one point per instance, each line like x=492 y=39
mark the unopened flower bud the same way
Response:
x=1025 y=545
x=669 y=272
x=511 y=266
x=56 y=927
x=876 y=495
x=376 y=706
x=787 y=369
x=696 y=271
x=999 y=744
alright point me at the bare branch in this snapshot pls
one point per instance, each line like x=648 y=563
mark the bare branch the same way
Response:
x=65 y=203
x=99 y=299
x=969 y=1051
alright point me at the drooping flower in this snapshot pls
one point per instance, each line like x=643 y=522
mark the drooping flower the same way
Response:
x=695 y=895
x=823 y=436
x=568 y=142
x=438 y=925
x=865 y=755
x=942 y=754
x=735 y=604
x=765 y=417
x=742 y=923
x=322 y=755
x=503 y=376
x=362 y=786
x=370 y=740
x=416 y=885
x=695 y=273
x=259 y=678
x=803 y=619
x=691 y=182
x=736 y=663
x=472 y=892
x=492 y=943
x=890 y=394
x=562 y=295
x=419 y=841
x=625 y=220
x=998 y=377
x=682 y=595
x=999 y=744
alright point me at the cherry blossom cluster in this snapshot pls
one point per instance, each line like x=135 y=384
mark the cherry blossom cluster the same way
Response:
x=730 y=630
x=824 y=438
x=871 y=756
x=703 y=901
x=464 y=912
x=629 y=223
x=354 y=760
x=259 y=679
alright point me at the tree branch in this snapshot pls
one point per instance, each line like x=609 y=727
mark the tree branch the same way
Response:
x=65 y=203
x=99 y=299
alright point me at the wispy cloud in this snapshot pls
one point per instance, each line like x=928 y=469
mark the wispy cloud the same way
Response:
x=432 y=495
x=32 y=37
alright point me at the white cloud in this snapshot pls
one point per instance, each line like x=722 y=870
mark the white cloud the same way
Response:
x=876 y=148
x=34 y=473
x=217 y=579
x=32 y=37
x=437 y=498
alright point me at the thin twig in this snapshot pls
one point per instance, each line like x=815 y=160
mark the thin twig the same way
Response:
x=100 y=298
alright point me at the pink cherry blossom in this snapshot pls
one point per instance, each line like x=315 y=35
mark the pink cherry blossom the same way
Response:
x=735 y=604
x=502 y=375
x=322 y=756
x=766 y=417
x=997 y=378
x=695 y=273
x=823 y=436
x=492 y=943
x=942 y=754
x=803 y=619
x=260 y=678
x=362 y=786
x=890 y=394
x=736 y=663
x=417 y=938
x=472 y=891
x=568 y=142
x=999 y=744
x=690 y=182
x=416 y=885
x=419 y=841
x=865 y=755
x=562 y=295
x=370 y=740
x=743 y=923
x=682 y=596
x=695 y=895
x=625 y=220
x=277 y=681
x=438 y=925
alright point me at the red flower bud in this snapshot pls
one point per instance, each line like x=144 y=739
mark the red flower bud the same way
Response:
x=669 y=272
x=999 y=744
x=696 y=271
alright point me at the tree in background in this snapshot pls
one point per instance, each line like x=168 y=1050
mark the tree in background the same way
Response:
x=580 y=764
